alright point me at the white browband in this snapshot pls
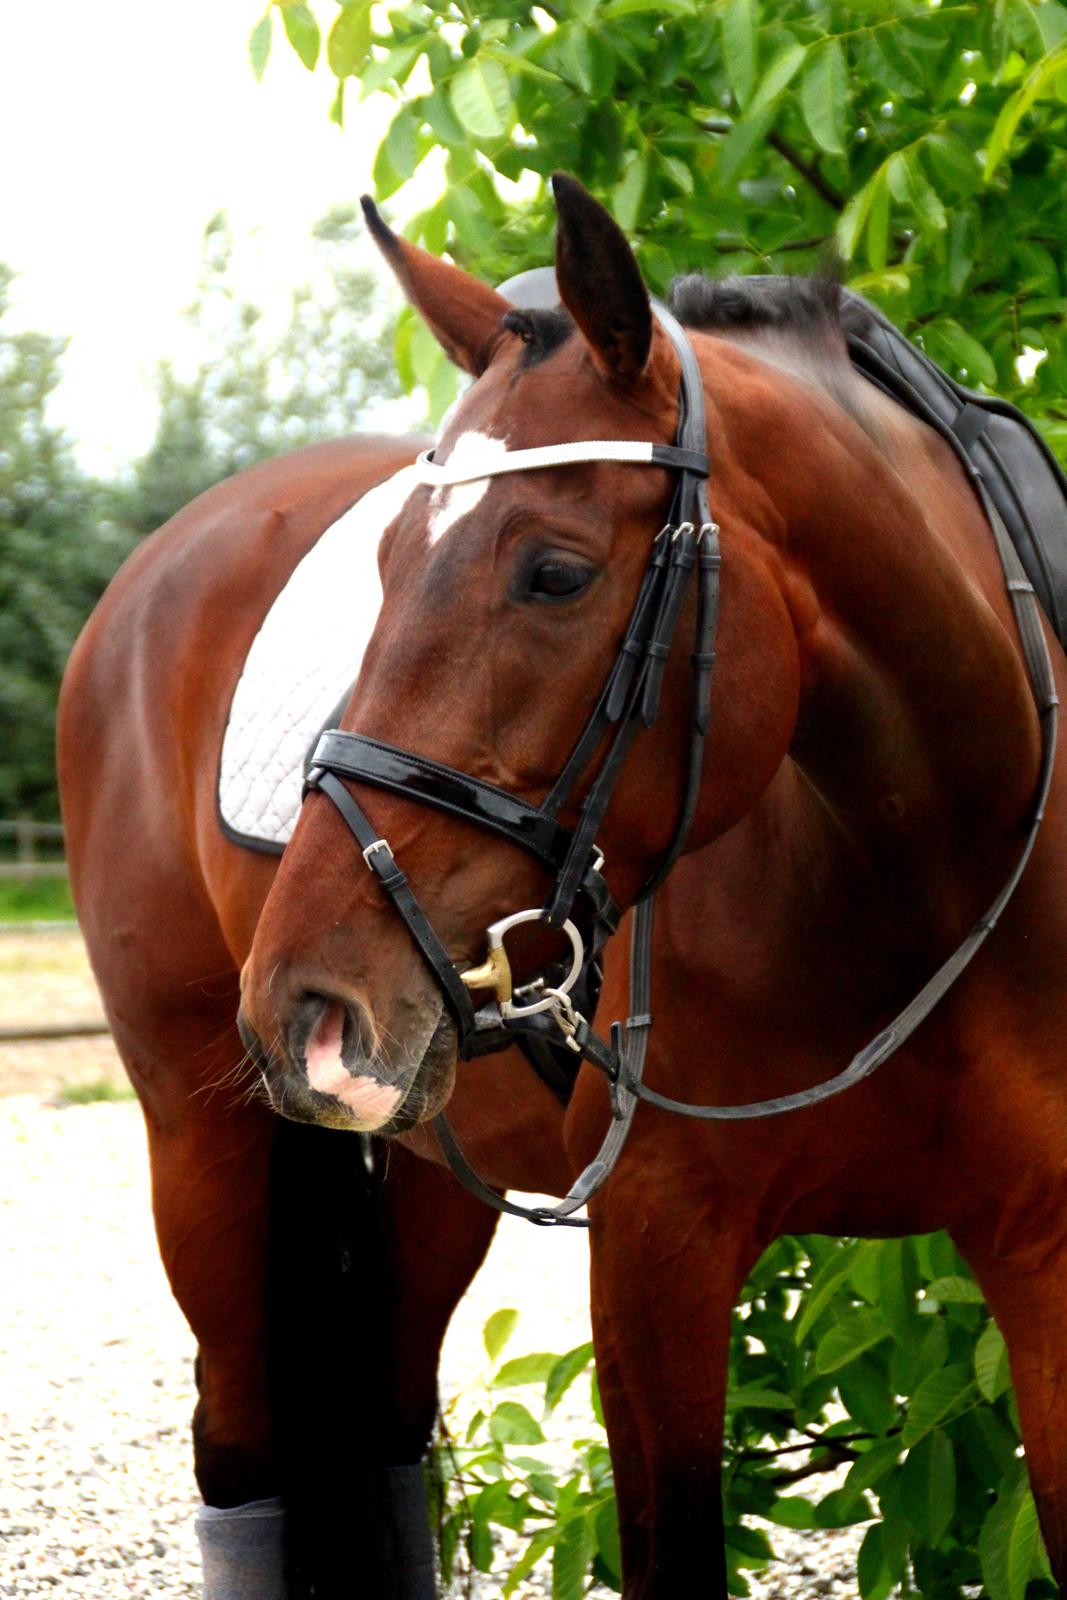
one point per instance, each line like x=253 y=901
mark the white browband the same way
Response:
x=546 y=455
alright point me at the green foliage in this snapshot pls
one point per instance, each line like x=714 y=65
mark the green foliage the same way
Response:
x=58 y=547
x=98 y=1091
x=867 y=1385
x=255 y=392
x=924 y=143
x=41 y=900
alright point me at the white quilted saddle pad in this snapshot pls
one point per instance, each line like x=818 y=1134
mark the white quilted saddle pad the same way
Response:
x=304 y=657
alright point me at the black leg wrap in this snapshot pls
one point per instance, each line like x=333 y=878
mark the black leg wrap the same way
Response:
x=355 y=1524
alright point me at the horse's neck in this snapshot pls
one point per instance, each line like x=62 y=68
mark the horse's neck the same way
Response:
x=916 y=738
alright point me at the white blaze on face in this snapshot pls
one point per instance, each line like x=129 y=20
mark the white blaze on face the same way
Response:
x=370 y=1102
x=447 y=505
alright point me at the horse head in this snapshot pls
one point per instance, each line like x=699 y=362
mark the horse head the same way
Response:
x=506 y=596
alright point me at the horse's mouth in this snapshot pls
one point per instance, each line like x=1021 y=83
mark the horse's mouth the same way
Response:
x=345 y=1088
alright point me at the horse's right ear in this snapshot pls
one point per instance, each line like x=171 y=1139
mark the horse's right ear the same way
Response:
x=463 y=314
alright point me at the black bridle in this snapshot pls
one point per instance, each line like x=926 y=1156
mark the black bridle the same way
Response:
x=688 y=544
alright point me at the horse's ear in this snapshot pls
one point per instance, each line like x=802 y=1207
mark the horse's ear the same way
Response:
x=600 y=283
x=462 y=313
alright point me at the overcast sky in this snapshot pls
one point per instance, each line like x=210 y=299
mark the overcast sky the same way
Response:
x=124 y=126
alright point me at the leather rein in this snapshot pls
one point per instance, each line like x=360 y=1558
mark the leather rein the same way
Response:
x=557 y=1007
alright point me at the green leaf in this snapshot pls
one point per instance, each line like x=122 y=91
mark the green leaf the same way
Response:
x=960 y=352
x=793 y=1511
x=575 y=53
x=898 y=1277
x=542 y=1541
x=825 y=1284
x=737 y=24
x=1037 y=81
x=824 y=96
x=259 y=45
x=401 y=143
x=1051 y=18
x=511 y=1423
x=348 y=43
x=872 y=1466
x=874 y=1578
x=393 y=67
x=563 y=1374
x=781 y=72
x=1008 y=1542
x=570 y=1560
x=626 y=201
x=911 y=187
x=936 y=1398
x=670 y=8
x=480 y=1546
x=481 y=98
x=955 y=1292
x=755 y=1396
x=857 y=1332
x=991 y=1367
x=606 y=1532
x=954 y=163
x=501 y=1325
x=866 y=1394
x=851 y=223
x=337 y=104
x=302 y=31
x=1022 y=1546
x=878 y=223
x=928 y=1486
x=525 y=1369
x=740 y=142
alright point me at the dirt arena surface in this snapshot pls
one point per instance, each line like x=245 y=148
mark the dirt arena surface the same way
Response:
x=96 y=1489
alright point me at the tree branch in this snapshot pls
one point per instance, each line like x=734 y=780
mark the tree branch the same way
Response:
x=807 y=169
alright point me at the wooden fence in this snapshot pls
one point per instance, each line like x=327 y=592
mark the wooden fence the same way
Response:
x=28 y=864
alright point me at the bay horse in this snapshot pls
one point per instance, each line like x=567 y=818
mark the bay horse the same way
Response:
x=872 y=763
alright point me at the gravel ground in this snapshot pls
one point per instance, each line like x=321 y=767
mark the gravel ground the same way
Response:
x=96 y=1491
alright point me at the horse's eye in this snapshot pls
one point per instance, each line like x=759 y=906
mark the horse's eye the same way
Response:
x=555 y=579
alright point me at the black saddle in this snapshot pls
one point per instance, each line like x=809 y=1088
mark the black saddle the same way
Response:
x=996 y=443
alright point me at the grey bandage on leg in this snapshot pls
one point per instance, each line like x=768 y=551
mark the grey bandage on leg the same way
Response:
x=242 y=1549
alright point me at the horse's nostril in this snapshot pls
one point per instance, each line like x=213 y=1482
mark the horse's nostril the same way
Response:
x=331 y=1034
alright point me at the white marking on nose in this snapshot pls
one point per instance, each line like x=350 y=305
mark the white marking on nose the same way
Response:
x=370 y=1102
x=449 y=504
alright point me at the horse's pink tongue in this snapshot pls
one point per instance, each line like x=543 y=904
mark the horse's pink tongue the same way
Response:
x=371 y=1102
x=326 y=1071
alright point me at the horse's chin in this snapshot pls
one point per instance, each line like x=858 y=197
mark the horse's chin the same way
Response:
x=424 y=1089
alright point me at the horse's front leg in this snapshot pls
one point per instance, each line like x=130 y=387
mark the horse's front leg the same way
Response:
x=318 y=1298
x=667 y=1265
x=1020 y=1260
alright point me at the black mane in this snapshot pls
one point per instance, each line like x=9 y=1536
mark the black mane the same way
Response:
x=804 y=321
x=803 y=306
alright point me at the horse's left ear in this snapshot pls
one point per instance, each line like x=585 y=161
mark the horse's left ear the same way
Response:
x=463 y=314
x=600 y=282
